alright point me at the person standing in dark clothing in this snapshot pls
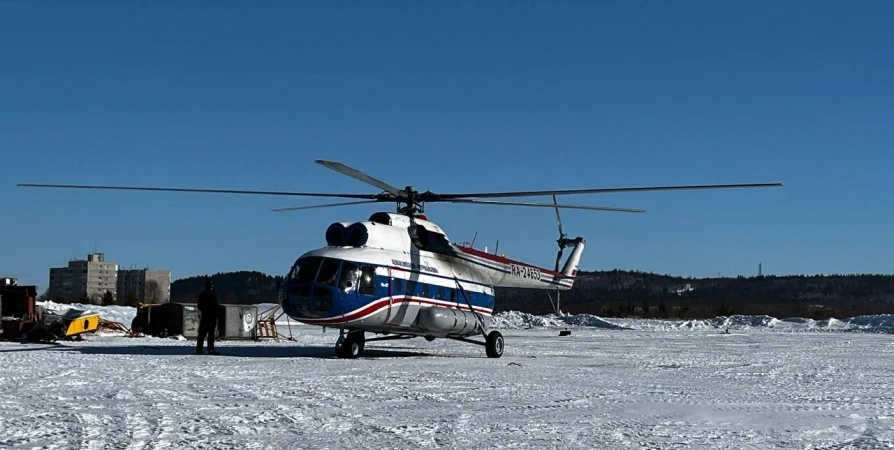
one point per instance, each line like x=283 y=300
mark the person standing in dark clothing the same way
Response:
x=209 y=308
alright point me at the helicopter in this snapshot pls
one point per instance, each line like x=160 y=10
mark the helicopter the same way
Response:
x=397 y=275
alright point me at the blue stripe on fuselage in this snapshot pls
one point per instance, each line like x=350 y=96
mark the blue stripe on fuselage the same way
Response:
x=346 y=302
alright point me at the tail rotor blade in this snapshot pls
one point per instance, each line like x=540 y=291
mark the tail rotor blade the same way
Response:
x=561 y=233
x=558 y=218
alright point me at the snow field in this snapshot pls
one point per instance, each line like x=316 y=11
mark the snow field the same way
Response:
x=601 y=387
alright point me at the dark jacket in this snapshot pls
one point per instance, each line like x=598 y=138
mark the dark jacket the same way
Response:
x=208 y=304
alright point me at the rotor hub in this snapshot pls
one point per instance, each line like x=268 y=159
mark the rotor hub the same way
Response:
x=409 y=202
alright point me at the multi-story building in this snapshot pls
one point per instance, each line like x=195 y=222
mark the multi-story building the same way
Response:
x=84 y=280
x=144 y=285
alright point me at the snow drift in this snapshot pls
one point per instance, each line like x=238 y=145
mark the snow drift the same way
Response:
x=883 y=323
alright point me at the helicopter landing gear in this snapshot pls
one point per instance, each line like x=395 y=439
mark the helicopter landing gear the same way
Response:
x=350 y=345
x=493 y=345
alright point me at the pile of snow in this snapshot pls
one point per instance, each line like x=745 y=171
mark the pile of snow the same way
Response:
x=115 y=313
x=865 y=324
x=519 y=320
x=883 y=323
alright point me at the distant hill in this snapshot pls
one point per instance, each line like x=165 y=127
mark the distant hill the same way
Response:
x=621 y=293
x=638 y=294
x=244 y=287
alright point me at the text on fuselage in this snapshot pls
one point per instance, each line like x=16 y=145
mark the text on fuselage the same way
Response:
x=531 y=273
x=414 y=266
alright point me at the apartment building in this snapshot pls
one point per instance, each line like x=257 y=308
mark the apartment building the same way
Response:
x=84 y=279
x=144 y=285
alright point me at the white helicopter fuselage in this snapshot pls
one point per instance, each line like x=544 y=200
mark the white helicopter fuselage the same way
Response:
x=396 y=274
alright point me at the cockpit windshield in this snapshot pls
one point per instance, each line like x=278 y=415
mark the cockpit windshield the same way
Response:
x=305 y=269
x=328 y=272
x=325 y=271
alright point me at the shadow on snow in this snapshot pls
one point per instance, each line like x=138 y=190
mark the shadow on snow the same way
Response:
x=240 y=351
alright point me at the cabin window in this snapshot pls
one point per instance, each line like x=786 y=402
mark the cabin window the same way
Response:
x=411 y=287
x=328 y=272
x=368 y=281
x=424 y=290
x=441 y=295
x=398 y=286
x=349 y=277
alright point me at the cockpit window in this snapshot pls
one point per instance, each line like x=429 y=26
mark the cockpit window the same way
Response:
x=328 y=272
x=349 y=275
x=305 y=269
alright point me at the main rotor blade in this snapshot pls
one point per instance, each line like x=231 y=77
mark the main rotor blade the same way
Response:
x=603 y=190
x=545 y=205
x=327 y=205
x=354 y=173
x=213 y=191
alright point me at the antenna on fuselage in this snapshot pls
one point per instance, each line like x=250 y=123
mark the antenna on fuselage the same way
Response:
x=472 y=245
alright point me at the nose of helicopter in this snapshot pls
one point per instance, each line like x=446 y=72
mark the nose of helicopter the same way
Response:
x=304 y=300
x=313 y=301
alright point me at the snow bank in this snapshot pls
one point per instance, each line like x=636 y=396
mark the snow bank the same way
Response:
x=518 y=320
x=883 y=323
x=122 y=314
x=865 y=324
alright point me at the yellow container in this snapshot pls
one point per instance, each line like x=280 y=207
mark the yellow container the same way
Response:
x=85 y=322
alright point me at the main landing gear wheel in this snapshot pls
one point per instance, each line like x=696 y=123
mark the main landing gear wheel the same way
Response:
x=350 y=345
x=493 y=345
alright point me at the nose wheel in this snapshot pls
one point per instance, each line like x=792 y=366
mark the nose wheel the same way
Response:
x=350 y=345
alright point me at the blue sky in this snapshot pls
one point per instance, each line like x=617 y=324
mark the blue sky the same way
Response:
x=451 y=97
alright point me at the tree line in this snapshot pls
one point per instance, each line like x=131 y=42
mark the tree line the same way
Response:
x=620 y=293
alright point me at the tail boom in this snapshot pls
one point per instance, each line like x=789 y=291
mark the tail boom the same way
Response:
x=505 y=272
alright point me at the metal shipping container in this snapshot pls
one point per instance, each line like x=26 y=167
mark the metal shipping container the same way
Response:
x=238 y=322
x=191 y=317
x=171 y=319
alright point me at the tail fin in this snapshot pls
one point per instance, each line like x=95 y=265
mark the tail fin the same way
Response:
x=573 y=263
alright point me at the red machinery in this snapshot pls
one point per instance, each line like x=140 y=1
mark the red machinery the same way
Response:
x=18 y=310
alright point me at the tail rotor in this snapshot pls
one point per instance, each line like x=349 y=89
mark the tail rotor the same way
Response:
x=563 y=238
x=562 y=242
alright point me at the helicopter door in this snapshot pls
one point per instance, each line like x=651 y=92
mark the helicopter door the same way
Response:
x=390 y=294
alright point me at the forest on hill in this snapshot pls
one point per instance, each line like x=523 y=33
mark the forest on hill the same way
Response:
x=620 y=293
x=244 y=287
x=638 y=294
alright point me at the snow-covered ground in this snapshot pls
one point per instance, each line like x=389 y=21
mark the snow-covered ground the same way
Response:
x=611 y=384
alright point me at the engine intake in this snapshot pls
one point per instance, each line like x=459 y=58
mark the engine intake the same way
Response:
x=356 y=235
x=336 y=234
